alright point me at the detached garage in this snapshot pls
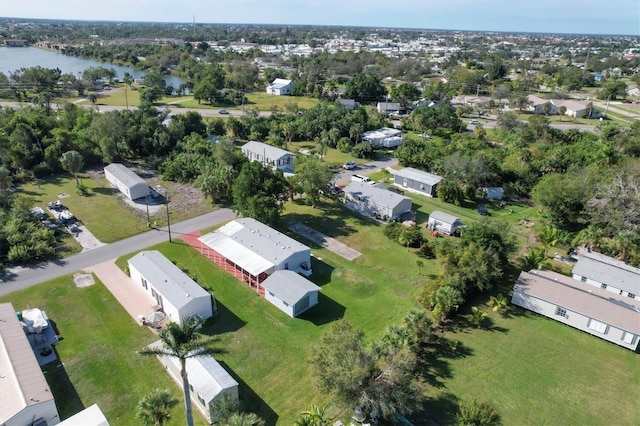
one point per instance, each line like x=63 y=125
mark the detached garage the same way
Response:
x=290 y=292
x=127 y=182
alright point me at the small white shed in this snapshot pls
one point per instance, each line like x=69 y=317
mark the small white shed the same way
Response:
x=127 y=182
x=442 y=222
x=177 y=295
x=290 y=292
x=493 y=193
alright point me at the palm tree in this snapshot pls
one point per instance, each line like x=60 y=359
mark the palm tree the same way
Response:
x=591 y=236
x=316 y=416
x=445 y=299
x=181 y=341
x=244 y=419
x=624 y=242
x=154 y=409
x=549 y=237
x=534 y=259
x=72 y=161
x=477 y=315
x=128 y=79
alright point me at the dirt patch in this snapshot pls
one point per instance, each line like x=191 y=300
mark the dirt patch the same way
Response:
x=327 y=242
x=83 y=280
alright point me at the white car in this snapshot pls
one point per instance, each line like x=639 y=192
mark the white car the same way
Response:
x=349 y=165
x=474 y=122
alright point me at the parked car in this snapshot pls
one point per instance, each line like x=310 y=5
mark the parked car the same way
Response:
x=359 y=178
x=482 y=210
x=349 y=165
x=223 y=112
x=474 y=122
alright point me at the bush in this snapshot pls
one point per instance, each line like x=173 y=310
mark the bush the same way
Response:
x=344 y=145
x=363 y=150
x=393 y=230
x=477 y=413
x=82 y=189
x=411 y=236
x=427 y=249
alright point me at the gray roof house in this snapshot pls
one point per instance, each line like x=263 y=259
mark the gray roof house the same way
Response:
x=208 y=380
x=384 y=136
x=348 y=103
x=388 y=107
x=608 y=273
x=417 y=181
x=25 y=396
x=290 y=292
x=280 y=87
x=272 y=156
x=177 y=295
x=442 y=222
x=376 y=201
x=251 y=251
x=594 y=310
x=127 y=182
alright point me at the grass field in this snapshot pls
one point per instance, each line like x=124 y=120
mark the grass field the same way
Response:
x=104 y=214
x=98 y=360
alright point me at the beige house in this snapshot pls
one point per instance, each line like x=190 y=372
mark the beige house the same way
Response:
x=25 y=397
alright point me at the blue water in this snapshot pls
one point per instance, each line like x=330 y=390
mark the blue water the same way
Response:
x=14 y=58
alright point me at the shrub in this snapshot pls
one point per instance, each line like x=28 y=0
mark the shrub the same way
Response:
x=363 y=150
x=344 y=145
x=477 y=413
x=393 y=230
x=411 y=236
x=427 y=249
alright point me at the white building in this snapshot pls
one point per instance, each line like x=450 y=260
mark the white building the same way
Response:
x=177 y=295
x=251 y=251
x=594 y=310
x=269 y=155
x=127 y=182
x=417 y=181
x=385 y=136
x=25 y=396
x=290 y=292
x=442 y=222
x=208 y=380
x=90 y=416
x=280 y=87
x=376 y=201
x=607 y=273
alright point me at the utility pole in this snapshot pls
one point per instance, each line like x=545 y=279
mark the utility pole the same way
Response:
x=166 y=200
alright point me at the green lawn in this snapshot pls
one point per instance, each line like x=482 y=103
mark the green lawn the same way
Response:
x=98 y=356
x=536 y=372
x=104 y=214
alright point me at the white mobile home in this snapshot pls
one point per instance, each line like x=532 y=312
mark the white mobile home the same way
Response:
x=251 y=251
x=590 y=309
x=208 y=380
x=90 y=416
x=607 y=273
x=442 y=222
x=376 y=201
x=25 y=396
x=172 y=290
x=280 y=87
x=127 y=182
x=417 y=181
x=290 y=292
x=385 y=136
x=269 y=155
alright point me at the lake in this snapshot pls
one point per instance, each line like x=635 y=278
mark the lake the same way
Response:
x=14 y=58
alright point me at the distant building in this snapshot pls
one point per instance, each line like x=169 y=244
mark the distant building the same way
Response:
x=384 y=136
x=348 y=103
x=269 y=155
x=607 y=273
x=15 y=42
x=388 y=107
x=417 y=181
x=376 y=201
x=280 y=87
x=442 y=222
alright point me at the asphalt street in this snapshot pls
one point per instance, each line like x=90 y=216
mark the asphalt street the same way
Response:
x=20 y=278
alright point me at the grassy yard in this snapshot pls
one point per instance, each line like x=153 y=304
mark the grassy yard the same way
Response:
x=106 y=216
x=98 y=352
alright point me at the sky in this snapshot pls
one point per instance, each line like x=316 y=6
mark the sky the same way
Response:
x=548 y=16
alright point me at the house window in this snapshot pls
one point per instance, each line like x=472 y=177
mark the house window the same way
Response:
x=201 y=400
x=562 y=312
x=190 y=387
x=631 y=295
x=620 y=292
x=144 y=283
x=404 y=182
x=583 y=279
x=604 y=286
x=271 y=294
x=628 y=338
x=285 y=303
x=598 y=326
x=286 y=265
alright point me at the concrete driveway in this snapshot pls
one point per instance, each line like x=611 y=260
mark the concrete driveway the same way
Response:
x=344 y=176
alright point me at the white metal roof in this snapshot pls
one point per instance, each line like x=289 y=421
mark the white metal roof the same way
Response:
x=174 y=285
x=90 y=416
x=279 y=83
x=205 y=374
x=607 y=270
x=267 y=151
x=618 y=311
x=252 y=245
x=384 y=132
x=376 y=195
x=443 y=217
x=419 y=175
x=289 y=286
x=22 y=384
x=124 y=175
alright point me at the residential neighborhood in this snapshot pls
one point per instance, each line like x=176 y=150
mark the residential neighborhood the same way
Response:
x=275 y=224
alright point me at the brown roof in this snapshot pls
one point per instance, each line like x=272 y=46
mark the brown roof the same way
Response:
x=22 y=383
x=619 y=311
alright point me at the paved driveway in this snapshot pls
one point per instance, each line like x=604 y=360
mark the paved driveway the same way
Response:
x=344 y=176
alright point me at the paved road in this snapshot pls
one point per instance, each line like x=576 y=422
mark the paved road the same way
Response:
x=344 y=176
x=21 y=278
